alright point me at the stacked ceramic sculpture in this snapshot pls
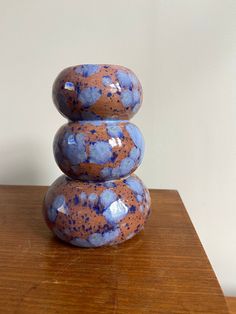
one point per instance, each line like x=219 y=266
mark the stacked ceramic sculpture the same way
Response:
x=98 y=201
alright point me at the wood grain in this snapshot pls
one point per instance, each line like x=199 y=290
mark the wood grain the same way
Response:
x=162 y=270
x=231 y=301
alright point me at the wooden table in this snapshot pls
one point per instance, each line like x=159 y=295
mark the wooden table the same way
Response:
x=162 y=270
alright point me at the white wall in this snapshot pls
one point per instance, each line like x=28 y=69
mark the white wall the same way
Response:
x=184 y=53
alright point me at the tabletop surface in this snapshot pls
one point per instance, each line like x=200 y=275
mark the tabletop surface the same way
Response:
x=164 y=269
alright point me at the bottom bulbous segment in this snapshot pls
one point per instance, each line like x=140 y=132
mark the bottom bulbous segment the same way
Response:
x=93 y=214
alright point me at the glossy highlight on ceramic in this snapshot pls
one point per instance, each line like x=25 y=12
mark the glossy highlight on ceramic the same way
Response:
x=99 y=201
x=97 y=92
x=98 y=150
x=91 y=214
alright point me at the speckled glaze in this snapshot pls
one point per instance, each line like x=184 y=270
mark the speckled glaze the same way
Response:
x=98 y=151
x=97 y=92
x=98 y=201
x=91 y=214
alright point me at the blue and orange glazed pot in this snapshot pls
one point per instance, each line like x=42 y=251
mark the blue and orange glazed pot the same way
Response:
x=98 y=201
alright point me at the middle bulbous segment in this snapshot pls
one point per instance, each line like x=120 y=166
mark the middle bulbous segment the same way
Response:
x=98 y=150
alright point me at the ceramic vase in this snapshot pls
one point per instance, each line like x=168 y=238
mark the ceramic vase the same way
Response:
x=98 y=201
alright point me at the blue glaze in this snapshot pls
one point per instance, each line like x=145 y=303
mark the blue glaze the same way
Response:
x=124 y=79
x=134 y=184
x=83 y=198
x=100 y=152
x=126 y=166
x=116 y=211
x=139 y=198
x=80 y=140
x=59 y=201
x=136 y=97
x=80 y=242
x=58 y=205
x=136 y=108
x=74 y=148
x=109 y=184
x=88 y=96
x=127 y=98
x=52 y=214
x=87 y=69
x=95 y=122
x=106 y=80
x=114 y=131
x=106 y=172
x=135 y=135
x=130 y=98
x=107 y=197
x=98 y=239
x=93 y=199
x=116 y=173
x=133 y=79
x=111 y=235
x=114 y=121
x=134 y=154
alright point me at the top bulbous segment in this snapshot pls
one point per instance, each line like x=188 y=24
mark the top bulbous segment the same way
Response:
x=97 y=92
